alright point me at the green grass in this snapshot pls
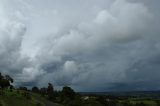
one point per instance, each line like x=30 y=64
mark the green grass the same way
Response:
x=14 y=98
x=23 y=98
x=149 y=102
x=41 y=98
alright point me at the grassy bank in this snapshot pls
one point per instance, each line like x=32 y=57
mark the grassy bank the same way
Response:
x=17 y=98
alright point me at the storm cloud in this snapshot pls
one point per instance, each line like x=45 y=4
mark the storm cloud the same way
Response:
x=91 y=45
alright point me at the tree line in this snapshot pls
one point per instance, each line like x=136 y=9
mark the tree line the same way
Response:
x=67 y=96
x=63 y=96
x=51 y=94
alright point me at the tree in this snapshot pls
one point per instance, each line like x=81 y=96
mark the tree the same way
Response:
x=5 y=81
x=7 y=77
x=43 y=91
x=11 y=87
x=50 y=91
x=35 y=89
x=1 y=77
x=23 y=88
x=68 y=92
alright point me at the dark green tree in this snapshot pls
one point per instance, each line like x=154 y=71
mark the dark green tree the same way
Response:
x=1 y=77
x=35 y=89
x=23 y=88
x=43 y=91
x=68 y=92
x=7 y=77
x=5 y=81
x=50 y=91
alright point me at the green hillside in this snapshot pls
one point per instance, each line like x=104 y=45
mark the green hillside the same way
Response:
x=17 y=98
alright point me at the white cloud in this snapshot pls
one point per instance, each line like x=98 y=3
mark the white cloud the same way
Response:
x=30 y=74
x=70 y=67
x=71 y=44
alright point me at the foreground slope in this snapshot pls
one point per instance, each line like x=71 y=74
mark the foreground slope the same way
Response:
x=22 y=98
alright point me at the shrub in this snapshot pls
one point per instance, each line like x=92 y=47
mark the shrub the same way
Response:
x=38 y=104
x=26 y=95
x=1 y=104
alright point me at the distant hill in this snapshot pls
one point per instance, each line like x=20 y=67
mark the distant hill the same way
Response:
x=127 y=93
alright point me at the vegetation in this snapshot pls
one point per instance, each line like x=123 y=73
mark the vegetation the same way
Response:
x=12 y=97
x=17 y=98
x=9 y=96
x=5 y=81
x=68 y=97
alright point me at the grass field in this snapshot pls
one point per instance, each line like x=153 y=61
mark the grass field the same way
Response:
x=146 y=101
x=17 y=98
x=25 y=98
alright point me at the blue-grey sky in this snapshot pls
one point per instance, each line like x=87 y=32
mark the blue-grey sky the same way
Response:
x=91 y=45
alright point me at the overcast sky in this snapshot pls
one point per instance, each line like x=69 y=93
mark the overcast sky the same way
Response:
x=91 y=45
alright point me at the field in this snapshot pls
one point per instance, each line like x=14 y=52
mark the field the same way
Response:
x=28 y=98
x=123 y=98
x=17 y=98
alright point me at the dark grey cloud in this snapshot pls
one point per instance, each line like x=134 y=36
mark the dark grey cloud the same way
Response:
x=92 y=45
